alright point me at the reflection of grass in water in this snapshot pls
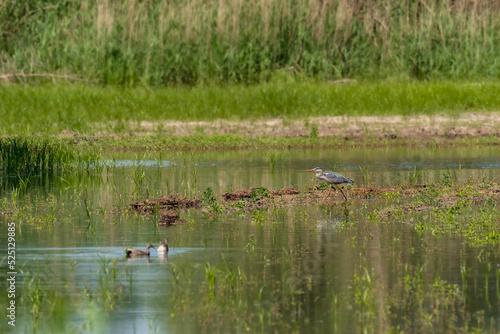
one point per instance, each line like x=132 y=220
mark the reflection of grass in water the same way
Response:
x=35 y=211
x=232 y=299
x=52 y=304
x=406 y=302
x=424 y=303
x=279 y=297
x=110 y=293
x=272 y=160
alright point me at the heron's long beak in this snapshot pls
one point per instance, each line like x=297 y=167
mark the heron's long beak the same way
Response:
x=310 y=170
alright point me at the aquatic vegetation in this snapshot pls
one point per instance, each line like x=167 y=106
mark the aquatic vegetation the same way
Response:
x=324 y=186
x=139 y=176
x=392 y=195
x=366 y=175
x=441 y=211
x=43 y=297
x=250 y=246
x=38 y=212
x=447 y=179
x=395 y=258
x=110 y=292
x=210 y=201
x=429 y=196
x=413 y=177
x=31 y=155
x=272 y=159
x=259 y=193
x=259 y=218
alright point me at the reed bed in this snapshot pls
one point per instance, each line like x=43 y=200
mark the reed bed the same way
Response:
x=130 y=42
x=34 y=155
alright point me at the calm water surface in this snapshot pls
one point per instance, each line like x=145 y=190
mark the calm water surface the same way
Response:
x=339 y=264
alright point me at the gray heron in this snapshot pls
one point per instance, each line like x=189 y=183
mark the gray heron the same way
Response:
x=138 y=252
x=331 y=177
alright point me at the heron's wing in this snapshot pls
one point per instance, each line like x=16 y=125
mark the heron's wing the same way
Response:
x=334 y=177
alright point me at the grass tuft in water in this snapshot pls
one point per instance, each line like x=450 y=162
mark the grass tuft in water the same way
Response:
x=42 y=154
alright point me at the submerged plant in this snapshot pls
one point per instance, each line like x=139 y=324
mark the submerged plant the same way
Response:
x=366 y=175
x=250 y=246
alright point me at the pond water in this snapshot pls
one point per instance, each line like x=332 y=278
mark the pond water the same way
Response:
x=306 y=267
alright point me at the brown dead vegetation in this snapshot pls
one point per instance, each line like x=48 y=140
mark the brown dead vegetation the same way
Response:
x=170 y=218
x=164 y=203
x=166 y=206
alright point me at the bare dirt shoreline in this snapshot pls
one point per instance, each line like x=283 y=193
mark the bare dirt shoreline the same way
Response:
x=427 y=127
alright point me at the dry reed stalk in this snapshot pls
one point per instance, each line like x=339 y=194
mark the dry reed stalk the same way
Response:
x=105 y=18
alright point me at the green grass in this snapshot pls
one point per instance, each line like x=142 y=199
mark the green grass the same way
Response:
x=127 y=42
x=88 y=109
x=39 y=154
x=234 y=142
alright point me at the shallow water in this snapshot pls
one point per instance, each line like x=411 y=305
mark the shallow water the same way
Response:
x=306 y=267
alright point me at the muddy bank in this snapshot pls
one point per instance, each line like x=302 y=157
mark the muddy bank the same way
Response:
x=423 y=127
x=429 y=197
x=167 y=207
x=257 y=193
x=170 y=218
x=164 y=203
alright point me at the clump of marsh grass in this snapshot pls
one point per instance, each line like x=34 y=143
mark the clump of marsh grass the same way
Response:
x=127 y=42
x=33 y=155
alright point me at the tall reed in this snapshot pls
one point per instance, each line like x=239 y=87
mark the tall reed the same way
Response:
x=129 y=42
x=34 y=155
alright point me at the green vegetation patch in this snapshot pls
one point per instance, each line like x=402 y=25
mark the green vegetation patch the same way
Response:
x=40 y=154
x=155 y=43
x=92 y=110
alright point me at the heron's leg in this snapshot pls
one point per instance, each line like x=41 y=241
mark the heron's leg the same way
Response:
x=341 y=192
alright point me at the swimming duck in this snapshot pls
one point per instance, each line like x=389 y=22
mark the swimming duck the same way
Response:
x=138 y=252
x=163 y=247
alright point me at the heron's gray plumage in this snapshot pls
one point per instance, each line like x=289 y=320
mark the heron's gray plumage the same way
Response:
x=331 y=177
x=335 y=178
